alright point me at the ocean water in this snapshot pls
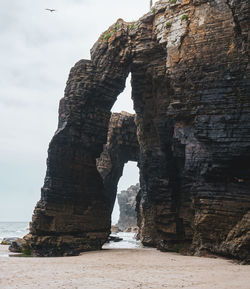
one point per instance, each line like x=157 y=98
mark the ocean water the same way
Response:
x=20 y=229
x=13 y=229
x=128 y=242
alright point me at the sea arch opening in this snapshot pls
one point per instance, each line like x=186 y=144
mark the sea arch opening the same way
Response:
x=124 y=100
x=121 y=151
x=130 y=177
x=118 y=164
x=124 y=229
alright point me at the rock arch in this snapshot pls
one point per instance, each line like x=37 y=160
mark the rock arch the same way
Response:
x=73 y=213
x=122 y=146
x=191 y=98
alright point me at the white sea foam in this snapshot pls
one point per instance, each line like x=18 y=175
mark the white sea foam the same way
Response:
x=13 y=229
x=128 y=242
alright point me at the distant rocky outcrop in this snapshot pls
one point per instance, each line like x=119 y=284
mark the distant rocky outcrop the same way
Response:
x=8 y=241
x=127 y=204
x=17 y=246
x=189 y=65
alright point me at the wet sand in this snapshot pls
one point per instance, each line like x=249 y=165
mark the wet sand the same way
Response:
x=121 y=269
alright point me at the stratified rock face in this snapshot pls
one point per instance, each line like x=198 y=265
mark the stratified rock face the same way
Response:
x=127 y=204
x=73 y=214
x=190 y=85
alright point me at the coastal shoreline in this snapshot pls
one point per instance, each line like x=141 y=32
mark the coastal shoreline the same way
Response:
x=144 y=268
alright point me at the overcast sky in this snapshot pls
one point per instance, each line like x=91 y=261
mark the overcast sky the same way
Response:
x=37 y=50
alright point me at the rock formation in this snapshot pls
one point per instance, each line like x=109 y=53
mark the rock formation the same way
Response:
x=127 y=204
x=122 y=146
x=189 y=62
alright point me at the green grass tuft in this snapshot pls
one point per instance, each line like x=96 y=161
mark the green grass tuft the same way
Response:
x=26 y=252
x=117 y=26
x=106 y=35
x=132 y=26
x=168 y=24
x=184 y=17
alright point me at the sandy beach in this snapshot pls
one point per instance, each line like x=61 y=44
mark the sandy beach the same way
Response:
x=121 y=268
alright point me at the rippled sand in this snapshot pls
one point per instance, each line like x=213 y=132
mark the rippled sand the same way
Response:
x=121 y=268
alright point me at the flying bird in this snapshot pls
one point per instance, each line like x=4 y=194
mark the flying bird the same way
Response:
x=51 y=10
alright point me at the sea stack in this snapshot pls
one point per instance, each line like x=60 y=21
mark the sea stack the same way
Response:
x=127 y=203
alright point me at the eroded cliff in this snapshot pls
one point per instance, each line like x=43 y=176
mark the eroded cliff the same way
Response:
x=189 y=62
